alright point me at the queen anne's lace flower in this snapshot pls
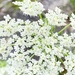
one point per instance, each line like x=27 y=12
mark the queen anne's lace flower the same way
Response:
x=30 y=8
x=56 y=17
x=9 y=26
x=72 y=19
x=34 y=48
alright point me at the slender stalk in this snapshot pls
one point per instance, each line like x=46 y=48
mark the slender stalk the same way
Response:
x=30 y=58
x=40 y=16
x=63 y=29
x=60 y=60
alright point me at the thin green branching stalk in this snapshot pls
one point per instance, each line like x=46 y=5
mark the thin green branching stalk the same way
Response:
x=30 y=58
x=63 y=29
x=40 y=15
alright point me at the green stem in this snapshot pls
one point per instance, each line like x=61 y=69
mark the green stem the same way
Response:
x=30 y=58
x=60 y=60
x=40 y=16
x=63 y=29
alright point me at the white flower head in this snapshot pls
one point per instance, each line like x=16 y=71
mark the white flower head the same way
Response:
x=72 y=19
x=7 y=18
x=33 y=47
x=30 y=8
x=56 y=17
x=57 y=10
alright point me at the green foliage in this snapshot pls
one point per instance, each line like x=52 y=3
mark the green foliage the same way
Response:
x=2 y=63
x=73 y=3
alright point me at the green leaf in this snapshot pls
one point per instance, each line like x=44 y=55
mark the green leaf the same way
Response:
x=73 y=3
x=2 y=63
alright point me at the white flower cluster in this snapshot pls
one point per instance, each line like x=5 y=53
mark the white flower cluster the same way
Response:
x=33 y=48
x=72 y=19
x=30 y=8
x=9 y=26
x=56 y=17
